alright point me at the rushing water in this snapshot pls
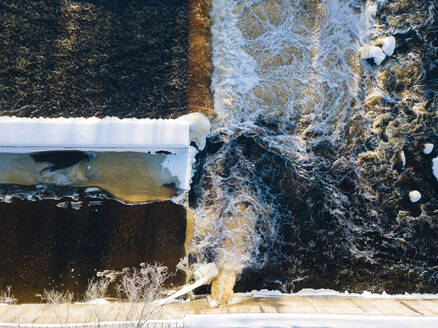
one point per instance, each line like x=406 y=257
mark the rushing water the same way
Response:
x=305 y=179
x=303 y=182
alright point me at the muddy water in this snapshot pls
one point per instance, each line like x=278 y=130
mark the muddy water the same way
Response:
x=89 y=58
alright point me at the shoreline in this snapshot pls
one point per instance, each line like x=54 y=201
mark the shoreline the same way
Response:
x=242 y=303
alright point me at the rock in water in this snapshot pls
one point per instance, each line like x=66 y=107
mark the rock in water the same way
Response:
x=414 y=196
x=428 y=148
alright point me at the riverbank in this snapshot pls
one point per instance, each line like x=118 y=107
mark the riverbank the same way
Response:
x=242 y=303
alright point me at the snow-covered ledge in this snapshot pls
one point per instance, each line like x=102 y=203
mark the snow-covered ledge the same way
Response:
x=23 y=135
x=170 y=137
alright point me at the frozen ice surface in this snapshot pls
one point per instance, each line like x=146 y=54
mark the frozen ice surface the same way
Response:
x=368 y=52
x=21 y=135
x=388 y=45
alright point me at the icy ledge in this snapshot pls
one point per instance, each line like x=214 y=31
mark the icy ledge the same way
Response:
x=21 y=135
x=172 y=139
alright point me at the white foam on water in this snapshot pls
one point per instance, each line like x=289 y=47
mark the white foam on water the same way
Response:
x=292 y=63
x=285 y=61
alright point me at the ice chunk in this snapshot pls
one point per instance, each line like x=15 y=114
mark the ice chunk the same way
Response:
x=367 y=52
x=203 y=274
x=387 y=44
x=428 y=148
x=403 y=158
x=414 y=196
x=435 y=167
x=199 y=128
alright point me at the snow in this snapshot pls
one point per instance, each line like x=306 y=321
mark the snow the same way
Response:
x=403 y=158
x=259 y=320
x=414 y=196
x=388 y=45
x=98 y=301
x=428 y=148
x=199 y=128
x=21 y=135
x=374 y=52
x=322 y=292
x=435 y=167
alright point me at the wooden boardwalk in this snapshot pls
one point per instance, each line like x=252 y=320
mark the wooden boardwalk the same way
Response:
x=80 y=313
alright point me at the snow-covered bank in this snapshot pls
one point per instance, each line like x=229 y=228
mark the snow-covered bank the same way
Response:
x=259 y=320
x=309 y=292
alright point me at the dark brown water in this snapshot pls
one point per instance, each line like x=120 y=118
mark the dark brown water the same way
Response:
x=80 y=59
x=93 y=58
x=62 y=244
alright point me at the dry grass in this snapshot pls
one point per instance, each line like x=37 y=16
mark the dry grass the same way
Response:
x=55 y=297
x=6 y=297
x=142 y=285
x=97 y=289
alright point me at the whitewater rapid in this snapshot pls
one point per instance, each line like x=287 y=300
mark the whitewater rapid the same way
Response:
x=286 y=181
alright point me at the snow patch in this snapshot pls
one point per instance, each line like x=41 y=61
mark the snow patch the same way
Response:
x=387 y=44
x=428 y=148
x=435 y=167
x=98 y=301
x=267 y=293
x=199 y=128
x=414 y=196
x=372 y=52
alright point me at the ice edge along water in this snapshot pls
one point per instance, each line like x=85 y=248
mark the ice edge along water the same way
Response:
x=111 y=134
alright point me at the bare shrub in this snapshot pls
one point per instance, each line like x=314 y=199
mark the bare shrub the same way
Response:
x=97 y=289
x=55 y=297
x=143 y=285
x=6 y=297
